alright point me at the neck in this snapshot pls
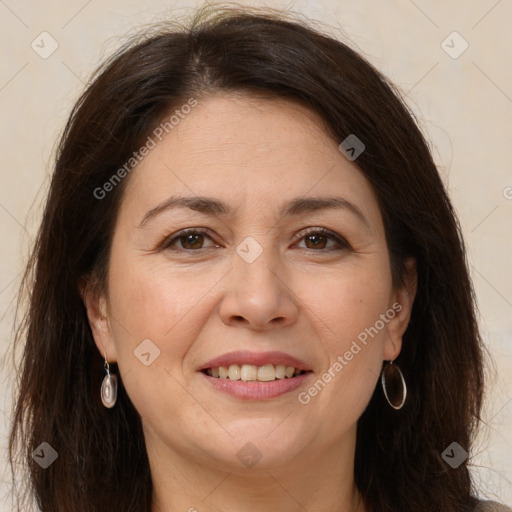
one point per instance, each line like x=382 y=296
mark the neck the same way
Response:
x=316 y=481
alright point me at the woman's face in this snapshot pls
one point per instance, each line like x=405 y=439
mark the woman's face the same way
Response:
x=258 y=278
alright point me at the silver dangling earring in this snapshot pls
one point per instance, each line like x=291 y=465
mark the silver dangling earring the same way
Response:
x=393 y=385
x=108 y=387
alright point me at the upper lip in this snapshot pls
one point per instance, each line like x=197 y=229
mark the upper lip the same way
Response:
x=256 y=358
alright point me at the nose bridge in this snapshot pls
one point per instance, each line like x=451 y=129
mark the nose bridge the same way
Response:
x=258 y=292
x=257 y=261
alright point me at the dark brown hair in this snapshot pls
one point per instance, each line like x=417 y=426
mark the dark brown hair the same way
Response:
x=102 y=463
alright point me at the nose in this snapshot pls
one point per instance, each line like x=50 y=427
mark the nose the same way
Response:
x=259 y=294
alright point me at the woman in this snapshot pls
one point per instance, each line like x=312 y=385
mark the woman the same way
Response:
x=249 y=289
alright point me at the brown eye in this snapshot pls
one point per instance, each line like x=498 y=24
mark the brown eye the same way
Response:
x=189 y=240
x=193 y=241
x=317 y=241
x=319 y=238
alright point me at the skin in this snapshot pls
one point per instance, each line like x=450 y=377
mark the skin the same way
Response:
x=308 y=300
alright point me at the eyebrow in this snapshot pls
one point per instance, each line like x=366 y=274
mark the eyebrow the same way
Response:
x=214 y=207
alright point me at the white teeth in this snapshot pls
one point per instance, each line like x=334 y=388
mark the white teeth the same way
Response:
x=266 y=373
x=251 y=372
x=280 y=371
x=234 y=372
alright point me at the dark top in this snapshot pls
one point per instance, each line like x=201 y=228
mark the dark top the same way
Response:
x=491 y=506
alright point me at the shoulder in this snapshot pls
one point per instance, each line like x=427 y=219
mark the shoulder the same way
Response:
x=491 y=506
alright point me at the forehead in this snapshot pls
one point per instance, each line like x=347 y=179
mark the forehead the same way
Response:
x=251 y=153
x=224 y=130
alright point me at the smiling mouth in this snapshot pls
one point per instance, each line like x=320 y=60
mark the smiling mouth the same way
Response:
x=251 y=372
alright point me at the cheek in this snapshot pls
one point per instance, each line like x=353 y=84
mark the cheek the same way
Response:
x=158 y=301
x=348 y=301
x=160 y=304
x=347 y=312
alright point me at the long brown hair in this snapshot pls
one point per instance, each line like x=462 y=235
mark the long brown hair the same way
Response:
x=102 y=461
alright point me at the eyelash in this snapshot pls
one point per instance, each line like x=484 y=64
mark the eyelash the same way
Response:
x=340 y=241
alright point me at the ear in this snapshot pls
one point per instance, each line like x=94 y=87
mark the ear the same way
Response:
x=401 y=304
x=97 y=313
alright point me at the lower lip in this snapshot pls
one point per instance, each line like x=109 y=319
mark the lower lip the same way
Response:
x=256 y=390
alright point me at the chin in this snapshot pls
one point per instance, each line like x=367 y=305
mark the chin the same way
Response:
x=258 y=443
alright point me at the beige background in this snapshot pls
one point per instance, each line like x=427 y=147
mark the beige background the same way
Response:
x=464 y=104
